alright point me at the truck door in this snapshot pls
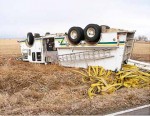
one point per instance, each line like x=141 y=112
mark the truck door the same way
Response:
x=50 y=50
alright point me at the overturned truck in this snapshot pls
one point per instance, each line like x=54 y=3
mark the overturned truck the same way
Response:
x=93 y=45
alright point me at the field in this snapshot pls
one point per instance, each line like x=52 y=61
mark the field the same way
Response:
x=9 y=46
x=141 y=51
x=32 y=89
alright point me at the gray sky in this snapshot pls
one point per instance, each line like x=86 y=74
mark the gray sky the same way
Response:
x=17 y=17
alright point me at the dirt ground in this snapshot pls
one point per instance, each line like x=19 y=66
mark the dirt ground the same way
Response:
x=32 y=89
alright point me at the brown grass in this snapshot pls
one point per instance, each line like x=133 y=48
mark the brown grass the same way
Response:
x=37 y=89
x=141 y=51
x=9 y=46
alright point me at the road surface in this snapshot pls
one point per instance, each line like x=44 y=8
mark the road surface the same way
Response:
x=142 y=110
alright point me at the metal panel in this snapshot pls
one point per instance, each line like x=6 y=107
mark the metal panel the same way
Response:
x=111 y=63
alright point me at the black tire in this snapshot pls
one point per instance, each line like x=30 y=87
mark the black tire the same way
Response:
x=30 y=39
x=95 y=38
x=36 y=35
x=80 y=35
x=47 y=33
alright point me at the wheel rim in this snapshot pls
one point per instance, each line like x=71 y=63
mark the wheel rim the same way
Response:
x=73 y=34
x=91 y=32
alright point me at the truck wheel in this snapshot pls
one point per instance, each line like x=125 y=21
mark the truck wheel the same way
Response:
x=30 y=39
x=75 y=35
x=92 y=33
x=47 y=33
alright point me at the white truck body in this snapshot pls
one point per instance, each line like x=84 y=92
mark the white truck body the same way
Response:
x=113 y=49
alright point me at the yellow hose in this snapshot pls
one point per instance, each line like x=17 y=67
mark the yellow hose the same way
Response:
x=106 y=81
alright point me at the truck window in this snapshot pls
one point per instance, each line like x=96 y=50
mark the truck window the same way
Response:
x=38 y=55
x=50 y=44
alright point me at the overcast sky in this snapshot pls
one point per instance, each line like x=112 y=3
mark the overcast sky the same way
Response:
x=17 y=17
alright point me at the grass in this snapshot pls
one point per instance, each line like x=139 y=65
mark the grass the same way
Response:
x=37 y=89
x=9 y=46
x=141 y=51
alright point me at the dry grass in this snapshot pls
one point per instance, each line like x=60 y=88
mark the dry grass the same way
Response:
x=141 y=51
x=9 y=46
x=27 y=88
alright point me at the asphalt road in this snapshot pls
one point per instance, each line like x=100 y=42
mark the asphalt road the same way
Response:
x=142 y=110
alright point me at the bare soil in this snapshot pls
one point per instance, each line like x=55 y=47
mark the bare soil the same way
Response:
x=37 y=89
